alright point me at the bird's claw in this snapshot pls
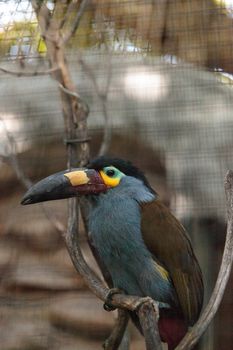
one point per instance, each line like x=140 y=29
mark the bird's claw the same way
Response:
x=108 y=301
x=159 y=304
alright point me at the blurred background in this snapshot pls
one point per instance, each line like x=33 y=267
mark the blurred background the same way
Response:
x=157 y=78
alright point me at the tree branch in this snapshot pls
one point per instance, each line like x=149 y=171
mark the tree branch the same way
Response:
x=84 y=106
x=114 y=340
x=76 y=23
x=210 y=310
x=149 y=315
x=29 y=74
x=70 y=8
x=105 y=145
x=103 y=96
x=68 y=92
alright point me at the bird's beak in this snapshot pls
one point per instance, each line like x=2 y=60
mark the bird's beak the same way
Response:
x=65 y=184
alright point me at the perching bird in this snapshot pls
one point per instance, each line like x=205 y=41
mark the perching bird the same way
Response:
x=143 y=246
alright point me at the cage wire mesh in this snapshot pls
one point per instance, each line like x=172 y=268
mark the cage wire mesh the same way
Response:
x=160 y=74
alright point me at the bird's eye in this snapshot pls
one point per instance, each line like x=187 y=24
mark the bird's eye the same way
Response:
x=110 y=172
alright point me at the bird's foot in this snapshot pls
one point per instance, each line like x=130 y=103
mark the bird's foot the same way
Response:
x=159 y=304
x=108 y=301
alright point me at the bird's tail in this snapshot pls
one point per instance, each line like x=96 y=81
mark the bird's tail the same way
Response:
x=172 y=328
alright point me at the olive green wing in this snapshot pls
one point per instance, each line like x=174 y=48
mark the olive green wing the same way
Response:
x=167 y=240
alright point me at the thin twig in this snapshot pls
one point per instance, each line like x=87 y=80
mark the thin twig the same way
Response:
x=105 y=145
x=69 y=92
x=210 y=310
x=29 y=74
x=77 y=19
x=58 y=225
x=89 y=72
x=69 y=9
x=103 y=96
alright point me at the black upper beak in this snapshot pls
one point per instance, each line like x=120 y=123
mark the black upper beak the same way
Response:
x=65 y=184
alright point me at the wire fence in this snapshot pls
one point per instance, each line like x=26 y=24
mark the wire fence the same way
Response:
x=160 y=74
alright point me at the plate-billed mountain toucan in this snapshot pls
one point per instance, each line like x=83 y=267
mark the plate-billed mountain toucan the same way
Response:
x=143 y=246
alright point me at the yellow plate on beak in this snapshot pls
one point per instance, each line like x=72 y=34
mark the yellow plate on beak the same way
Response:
x=77 y=178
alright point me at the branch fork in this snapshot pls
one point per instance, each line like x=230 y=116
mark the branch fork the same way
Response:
x=148 y=313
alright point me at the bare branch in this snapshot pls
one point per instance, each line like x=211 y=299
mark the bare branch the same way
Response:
x=29 y=74
x=149 y=315
x=68 y=92
x=114 y=340
x=89 y=72
x=58 y=225
x=47 y=25
x=69 y=10
x=102 y=95
x=125 y=342
x=107 y=131
x=77 y=19
x=210 y=310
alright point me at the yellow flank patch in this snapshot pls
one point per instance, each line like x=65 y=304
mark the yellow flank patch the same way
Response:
x=163 y=272
x=109 y=181
x=77 y=178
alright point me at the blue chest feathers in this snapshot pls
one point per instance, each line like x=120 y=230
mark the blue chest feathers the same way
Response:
x=115 y=230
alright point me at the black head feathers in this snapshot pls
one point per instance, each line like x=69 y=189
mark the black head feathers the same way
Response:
x=124 y=166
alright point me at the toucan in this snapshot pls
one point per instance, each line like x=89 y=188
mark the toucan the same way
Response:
x=144 y=248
